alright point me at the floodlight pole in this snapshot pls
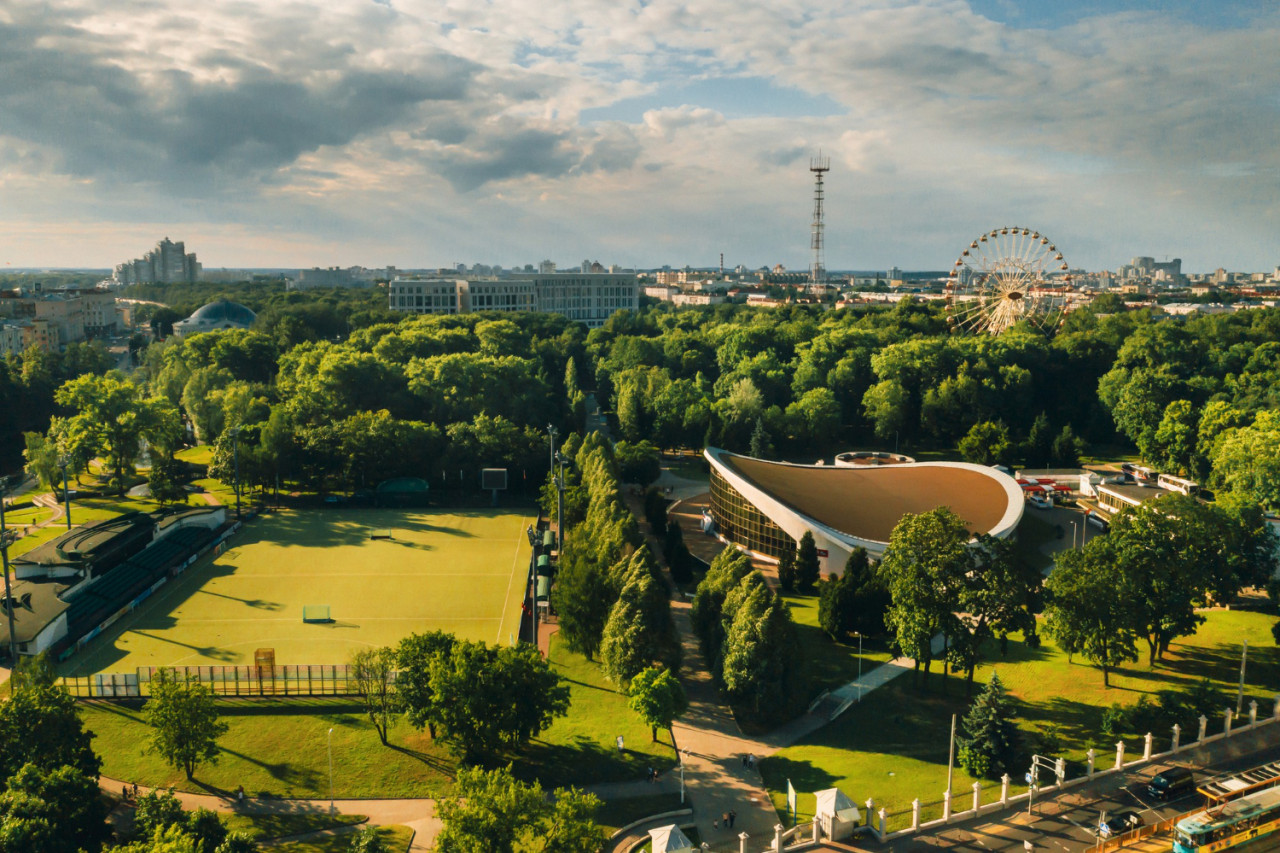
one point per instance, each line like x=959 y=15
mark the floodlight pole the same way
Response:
x=235 y=455
x=8 y=592
x=560 y=507
x=330 y=769
x=860 y=682
x=951 y=754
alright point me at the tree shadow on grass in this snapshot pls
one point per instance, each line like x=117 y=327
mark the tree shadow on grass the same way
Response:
x=435 y=762
x=287 y=772
x=804 y=775
x=586 y=762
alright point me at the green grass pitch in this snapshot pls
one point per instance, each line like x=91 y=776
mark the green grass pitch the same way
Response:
x=462 y=572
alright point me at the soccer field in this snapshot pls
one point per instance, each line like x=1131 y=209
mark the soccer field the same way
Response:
x=461 y=572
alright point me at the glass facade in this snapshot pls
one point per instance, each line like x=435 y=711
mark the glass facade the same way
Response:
x=738 y=520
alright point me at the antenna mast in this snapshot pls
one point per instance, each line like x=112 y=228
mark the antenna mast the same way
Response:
x=817 y=269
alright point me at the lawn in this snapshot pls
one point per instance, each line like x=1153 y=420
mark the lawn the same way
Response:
x=893 y=746
x=279 y=748
x=580 y=749
x=262 y=827
x=831 y=664
x=615 y=814
x=460 y=572
x=201 y=455
x=395 y=839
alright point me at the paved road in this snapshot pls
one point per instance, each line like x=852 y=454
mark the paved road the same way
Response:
x=1066 y=821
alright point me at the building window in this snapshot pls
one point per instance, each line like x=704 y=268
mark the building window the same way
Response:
x=740 y=522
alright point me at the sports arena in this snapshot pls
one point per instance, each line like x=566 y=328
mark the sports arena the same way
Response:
x=766 y=507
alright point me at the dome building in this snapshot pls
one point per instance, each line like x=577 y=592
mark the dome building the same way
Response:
x=223 y=314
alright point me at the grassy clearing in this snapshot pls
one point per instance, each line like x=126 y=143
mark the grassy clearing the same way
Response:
x=279 y=749
x=893 y=746
x=28 y=516
x=201 y=455
x=261 y=827
x=831 y=664
x=615 y=814
x=460 y=572
x=579 y=749
x=396 y=839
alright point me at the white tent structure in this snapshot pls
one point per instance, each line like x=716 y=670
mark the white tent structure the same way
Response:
x=669 y=839
x=836 y=813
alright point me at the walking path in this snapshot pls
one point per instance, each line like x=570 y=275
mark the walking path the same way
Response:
x=418 y=814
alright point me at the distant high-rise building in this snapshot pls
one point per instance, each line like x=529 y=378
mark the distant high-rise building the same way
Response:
x=167 y=263
x=545 y=267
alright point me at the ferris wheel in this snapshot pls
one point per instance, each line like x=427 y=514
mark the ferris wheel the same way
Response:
x=1005 y=276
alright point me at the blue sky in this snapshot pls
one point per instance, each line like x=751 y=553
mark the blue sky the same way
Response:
x=421 y=133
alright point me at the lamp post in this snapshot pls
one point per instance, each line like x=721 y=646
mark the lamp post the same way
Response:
x=330 y=769
x=1073 y=534
x=682 y=777
x=66 y=493
x=859 y=666
x=8 y=593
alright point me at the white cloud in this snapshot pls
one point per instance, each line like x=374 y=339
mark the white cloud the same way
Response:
x=441 y=132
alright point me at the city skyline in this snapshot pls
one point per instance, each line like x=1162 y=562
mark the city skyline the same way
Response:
x=420 y=136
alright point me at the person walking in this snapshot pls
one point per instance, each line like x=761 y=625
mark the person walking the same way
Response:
x=733 y=818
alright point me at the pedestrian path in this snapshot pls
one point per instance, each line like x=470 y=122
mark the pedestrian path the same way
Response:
x=418 y=814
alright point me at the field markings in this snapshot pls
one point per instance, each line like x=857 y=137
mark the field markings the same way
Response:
x=515 y=564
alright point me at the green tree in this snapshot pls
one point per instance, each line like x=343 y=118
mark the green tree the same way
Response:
x=498 y=697
x=490 y=810
x=787 y=570
x=237 y=842
x=924 y=568
x=374 y=673
x=367 y=840
x=52 y=811
x=638 y=462
x=996 y=596
x=635 y=631
x=583 y=597
x=1085 y=612
x=1039 y=447
x=40 y=725
x=763 y=667
x=42 y=459
x=1247 y=460
x=658 y=697
x=989 y=744
x=415 y=656
x=1176 y=438
x=854 y=601
x=726 y=571
x=987 y=443
x=808 y=571
x=111 y=414
x=207 y=829
x=184 y=721
x=1067 y=449
x=761 y=446
x=156 y=812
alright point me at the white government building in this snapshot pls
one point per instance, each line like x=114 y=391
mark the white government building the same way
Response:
x=589 y=298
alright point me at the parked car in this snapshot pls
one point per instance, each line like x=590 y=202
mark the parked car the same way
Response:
x=1171 y=783
x=1098 y=522
x=1039 y=502
x=1119 y=823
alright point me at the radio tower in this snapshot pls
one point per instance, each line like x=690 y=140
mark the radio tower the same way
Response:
x=817 y=269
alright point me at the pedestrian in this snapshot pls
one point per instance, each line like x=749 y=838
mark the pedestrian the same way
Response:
x=733 y=818
x=724 y=818
x=715 y=823
x=124 y=792
x=649 y=777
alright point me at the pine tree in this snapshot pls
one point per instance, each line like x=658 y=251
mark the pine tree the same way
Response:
x=582 y=596
x=1039 y=448
x=807 y=570
x=627 y=645
x=990 y=740
x=761 y=447
x=762 y=663
x=787 y=570
x=727 y=569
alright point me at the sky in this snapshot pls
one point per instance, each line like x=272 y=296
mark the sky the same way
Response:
x=637 y=132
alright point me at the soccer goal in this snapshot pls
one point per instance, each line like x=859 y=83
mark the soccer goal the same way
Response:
x=381 y=534
x=315 y=613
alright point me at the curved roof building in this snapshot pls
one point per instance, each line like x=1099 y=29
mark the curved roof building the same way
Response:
x=223 y=314
x=766 y=507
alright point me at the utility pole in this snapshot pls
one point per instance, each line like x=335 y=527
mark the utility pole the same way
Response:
x=951 y=755
x=8 y=592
